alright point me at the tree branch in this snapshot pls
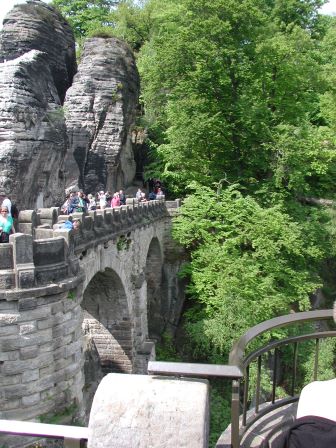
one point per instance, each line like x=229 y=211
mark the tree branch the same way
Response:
x=316 y=201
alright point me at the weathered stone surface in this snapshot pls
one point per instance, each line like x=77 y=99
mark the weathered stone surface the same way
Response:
x=41 y=329
x=37 y=26
x=142 y=411
x=100 y=110
x=32 y=132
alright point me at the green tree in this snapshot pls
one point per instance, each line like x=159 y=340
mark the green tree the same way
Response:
x=86 y=15
x=219 y=76
x=248 y=264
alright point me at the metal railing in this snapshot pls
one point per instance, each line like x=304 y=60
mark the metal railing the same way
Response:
x=238 y=369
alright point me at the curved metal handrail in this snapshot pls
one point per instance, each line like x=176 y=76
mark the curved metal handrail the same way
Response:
x=236 y=356
x=319 y=335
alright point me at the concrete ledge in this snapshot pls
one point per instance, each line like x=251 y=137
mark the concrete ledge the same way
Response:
x=140 y=411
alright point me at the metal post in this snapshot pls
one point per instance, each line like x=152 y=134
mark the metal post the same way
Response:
x=235 y=414
x=316 y=360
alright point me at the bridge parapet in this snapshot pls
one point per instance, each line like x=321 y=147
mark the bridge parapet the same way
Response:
x=43 y=252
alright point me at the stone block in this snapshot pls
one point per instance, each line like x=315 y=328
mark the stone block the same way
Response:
x=142 y=411
x=27 y=328
x=25 y=275
x=9 y=356
x=46 y=371
x=69 y=304
x=8 y=330
x=61 y=364
x=53 y=321
x=40 y=312
x=15 y=392
x=74 y=347
x=8 y=405
x=8 y=306
x=42 y=233
x=50 y=299
x=22 y=248
x=9 y=380
x=27 y=304
x=61 y=341
x=30 y=375
x=14 y=367
x=28 y=352
x=6 y=256
x=49 y=382
x=57 y=308
x=31 y=399
x=28 y=340
x=7 y=279
x=49 y=251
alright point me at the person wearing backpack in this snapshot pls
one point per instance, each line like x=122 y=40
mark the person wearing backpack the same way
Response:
x=15 y=215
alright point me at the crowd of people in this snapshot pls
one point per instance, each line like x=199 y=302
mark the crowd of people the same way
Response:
x=80 y=202
x=77 y=201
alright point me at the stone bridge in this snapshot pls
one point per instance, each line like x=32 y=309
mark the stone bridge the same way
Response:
x=75 y=305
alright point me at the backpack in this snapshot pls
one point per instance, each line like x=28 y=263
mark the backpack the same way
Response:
x=14 y=211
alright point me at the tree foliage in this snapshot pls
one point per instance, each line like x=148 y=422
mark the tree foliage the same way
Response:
x=249 y=263
x=240 y=95
x=86 y=15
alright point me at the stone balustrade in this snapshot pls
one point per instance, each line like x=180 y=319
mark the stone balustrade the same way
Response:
x=43 y=253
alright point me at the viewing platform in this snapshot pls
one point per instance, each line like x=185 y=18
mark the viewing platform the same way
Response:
x=254 y=421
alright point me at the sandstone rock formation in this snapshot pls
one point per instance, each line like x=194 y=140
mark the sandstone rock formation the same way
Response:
x=37 y=66
x=37 y=26
x=32 y=132
x=100 y=110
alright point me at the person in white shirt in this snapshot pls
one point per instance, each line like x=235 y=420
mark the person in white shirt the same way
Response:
x=7 y=203
x=102 y=200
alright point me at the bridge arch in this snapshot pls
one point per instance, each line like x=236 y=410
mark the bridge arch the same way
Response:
x=155 y=294
x=107 y=331
x=107 y=321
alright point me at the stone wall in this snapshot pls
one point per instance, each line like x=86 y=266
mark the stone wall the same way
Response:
x=63 y=292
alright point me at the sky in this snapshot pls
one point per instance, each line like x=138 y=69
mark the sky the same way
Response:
x=7 y=5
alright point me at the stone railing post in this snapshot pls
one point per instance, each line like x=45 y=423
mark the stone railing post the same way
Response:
x=28 y=221
x=23 y=260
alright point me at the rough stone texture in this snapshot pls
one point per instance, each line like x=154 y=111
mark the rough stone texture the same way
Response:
x=37 y=26
x=87 y=284
x=32 y=132
x=100 y=110
x=40 y=374
x=139 y=411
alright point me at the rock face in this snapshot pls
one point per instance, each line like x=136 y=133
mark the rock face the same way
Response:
x=37 y=26
x=33 y=137
x=37 y=67
x=100 y=110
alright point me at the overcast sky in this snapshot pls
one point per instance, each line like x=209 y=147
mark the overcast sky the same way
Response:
x=7 y=5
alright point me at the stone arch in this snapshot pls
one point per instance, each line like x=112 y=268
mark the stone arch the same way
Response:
x=107 y=331
x=107 y=321
x=155 y=295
